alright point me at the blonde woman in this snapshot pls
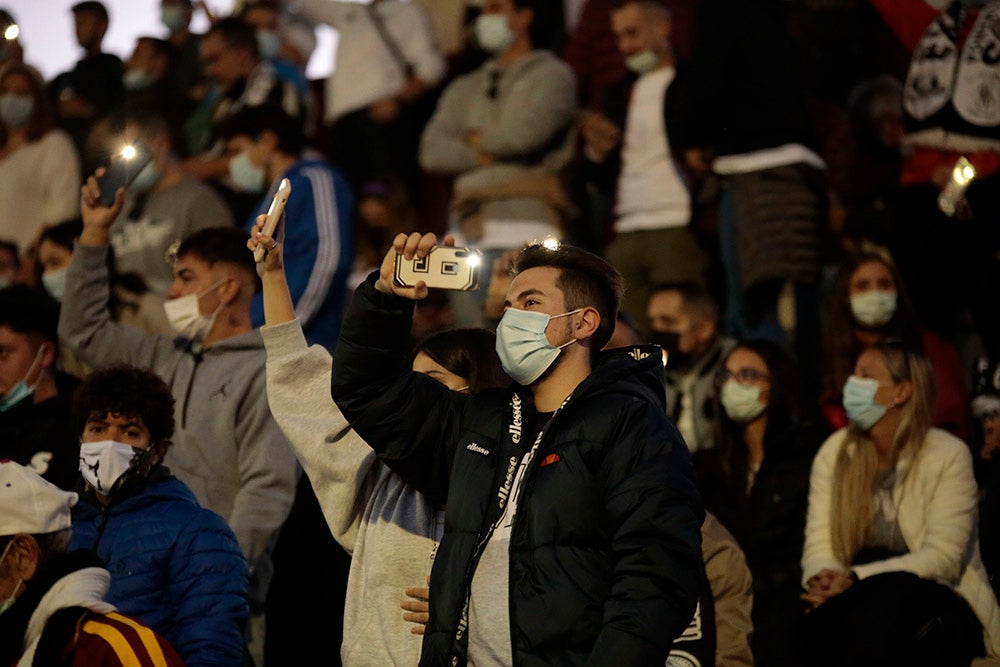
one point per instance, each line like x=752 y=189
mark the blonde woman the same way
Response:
x=891 y=560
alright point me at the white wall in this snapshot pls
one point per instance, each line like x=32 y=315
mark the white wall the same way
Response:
x=50 y=44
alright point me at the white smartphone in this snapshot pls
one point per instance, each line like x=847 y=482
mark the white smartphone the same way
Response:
x=274 y=213
x=443 y=268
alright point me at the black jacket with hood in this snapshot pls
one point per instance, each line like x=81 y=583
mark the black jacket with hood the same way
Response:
x=605 y=548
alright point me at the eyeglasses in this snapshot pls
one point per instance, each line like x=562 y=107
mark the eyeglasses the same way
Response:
x=743 y=376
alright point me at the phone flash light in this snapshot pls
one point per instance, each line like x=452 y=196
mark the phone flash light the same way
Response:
x=964 y=174
x=474 y=260
x=128 y=152
x=11 y=33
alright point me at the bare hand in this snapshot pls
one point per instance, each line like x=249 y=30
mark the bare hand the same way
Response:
x=600 y=134
x=96 y=216
x=825 y=585
x=697 y=161
x=271 y=261
x=384 y=111
x=414 y=245
x=417 y=608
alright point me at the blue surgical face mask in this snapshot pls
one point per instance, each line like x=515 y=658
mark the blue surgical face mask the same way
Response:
x=22 y=389
x=524 y=350
x=859 y=402
x=16 y=109
x=493 y=32
x=268 y=44
x=741 y=401
x=173 y=17
x=136 y=79
x=873 y=308
x=54 y=283
x=246 y=176
x=147 y=177
x=642 y=62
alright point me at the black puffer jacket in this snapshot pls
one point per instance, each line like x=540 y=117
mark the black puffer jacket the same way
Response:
x=605 y=550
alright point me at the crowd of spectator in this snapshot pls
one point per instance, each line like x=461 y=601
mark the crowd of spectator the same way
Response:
x=799 y=199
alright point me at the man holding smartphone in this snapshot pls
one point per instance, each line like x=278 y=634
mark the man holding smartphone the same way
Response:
x=569 y=491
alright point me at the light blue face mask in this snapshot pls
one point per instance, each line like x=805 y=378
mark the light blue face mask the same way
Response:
x=147 y=177
x=493 y=32
x=524 y=350
x=16 y=109
x=173 y=17
x=873 y=308
x=54 y=283
x=22 y=389
x=859 y=402
x=136 y=79
x=268 y=44
x=246 y=176
x=642 y=62
x=741 y=402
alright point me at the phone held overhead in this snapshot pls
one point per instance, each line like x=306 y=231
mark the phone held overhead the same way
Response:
x=124 y=166
x=274 y=215
x=444 y=267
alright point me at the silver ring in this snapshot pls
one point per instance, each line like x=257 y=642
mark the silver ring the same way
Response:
x=274 y=244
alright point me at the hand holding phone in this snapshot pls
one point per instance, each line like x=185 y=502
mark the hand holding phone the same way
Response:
x=274 y=213
x=124 y=166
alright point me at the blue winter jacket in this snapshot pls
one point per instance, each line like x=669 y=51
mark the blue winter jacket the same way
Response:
x=174 y=565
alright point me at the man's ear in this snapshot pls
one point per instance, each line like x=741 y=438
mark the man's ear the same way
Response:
x=587 y=322
x=24 y=556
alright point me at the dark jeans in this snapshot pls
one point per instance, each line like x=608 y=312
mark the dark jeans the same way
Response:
x=895 y=618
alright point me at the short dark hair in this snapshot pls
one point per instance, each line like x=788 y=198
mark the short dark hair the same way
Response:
x=29 y=311
x=93 y=7
x=219 y=244
x=468 y=353
x=126 y=391
x=161 y=47
x=695 y=297
x=252 y=121
x=236 y=33
x=63 y=234
x=585 y=280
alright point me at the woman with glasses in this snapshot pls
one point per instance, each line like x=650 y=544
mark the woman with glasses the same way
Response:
x=868 y=304
x=891 y=562
x=757 y=480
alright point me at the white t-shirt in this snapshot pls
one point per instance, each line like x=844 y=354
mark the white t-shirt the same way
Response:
x=651 y=193
x=39 y=185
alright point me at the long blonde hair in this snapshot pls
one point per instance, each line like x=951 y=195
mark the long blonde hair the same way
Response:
x=853 y=503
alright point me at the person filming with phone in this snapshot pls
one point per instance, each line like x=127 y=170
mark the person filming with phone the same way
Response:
x=227 y=447
x=570 y=490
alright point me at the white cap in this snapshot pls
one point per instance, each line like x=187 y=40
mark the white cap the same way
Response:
x=29 y=504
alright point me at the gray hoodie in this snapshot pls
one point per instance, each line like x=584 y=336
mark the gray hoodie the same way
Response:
x=227 y=447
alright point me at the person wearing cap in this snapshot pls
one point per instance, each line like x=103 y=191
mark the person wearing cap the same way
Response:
x=52 y=607
x=175 y=565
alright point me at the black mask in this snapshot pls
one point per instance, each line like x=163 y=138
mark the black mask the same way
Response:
x=670 y=341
